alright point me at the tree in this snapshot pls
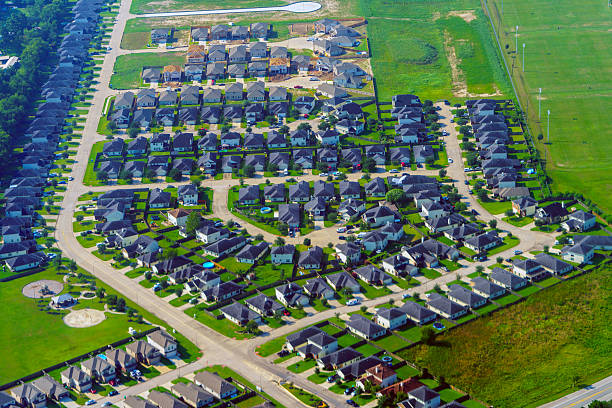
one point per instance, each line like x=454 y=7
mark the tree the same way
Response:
x=305 y=126
x=430 y=160
x=249 y=170
x=395 y=195
x=193 y=222
x=330 y=244
x=100 y=293
x=307 y=241
x=479 y=269
x=72 y=266
x=120 y=305
x=509 y=213
x=178 y=291
x=499 y=259
x=363 y=309
x=102 y=176
x=284 y=130
x=493 y=224
x=79 y=218
x=546 y=248
x=49 y=242
x=175 y=175
x=112 y=126
x=133 y=132
x=460 y=206
x=279 y=241
x=322 y=166
x=368 y=164
x=428 y=335
x=332 y=216
x=111 y=300
x=442 y=173
x=259 y=237
x=471 y=158
x=482 y=195
x=283 y=228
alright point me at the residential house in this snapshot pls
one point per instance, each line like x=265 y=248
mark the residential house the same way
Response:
x=27 y=395
x=417 y=313
x=390 y=318
x=172 y=73
x=99 y=369
x=143 y=352
x=214 y=384
x=121 y=360
x=49 y=386
x=377 y=216
x=164 y=342
x=192 y=394
x=165 y=400
x=211 y=95
x=348 y=253
x=289 y=214
x=445 y=307
x=341 y=281
x=311 y=258
x=240 y=314
x=230 y=163
x=72 y=377
x=487 y=288
x=506 y=279
x=379 y=376
x=318 y=288
x=365 y=328
x=233 y=91
x=282 y=254
x=466 y=297
x=483 y=242
x=528 y=269
x=339 y=359
x=264 y=305
x=252 y=253
x=579 y=221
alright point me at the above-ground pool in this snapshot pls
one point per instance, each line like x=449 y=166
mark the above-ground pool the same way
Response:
x=208 y=265
x=387 y=359
x=265 y=210
x=438 y=326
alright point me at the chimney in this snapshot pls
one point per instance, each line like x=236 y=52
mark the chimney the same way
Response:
x=562 y=204
x=449 y=221
x=422 y=239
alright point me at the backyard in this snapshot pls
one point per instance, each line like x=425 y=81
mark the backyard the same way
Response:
x=127 y=70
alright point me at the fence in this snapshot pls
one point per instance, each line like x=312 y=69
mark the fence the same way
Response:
x=73 y=360
x=22 y=274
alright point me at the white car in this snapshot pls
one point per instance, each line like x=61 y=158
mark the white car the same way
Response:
x=341 y=230
x=394 y=171
x=352 y=302
x=450 y=160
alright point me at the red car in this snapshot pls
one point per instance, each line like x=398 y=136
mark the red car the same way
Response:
x=298 y=87
x=286 y=313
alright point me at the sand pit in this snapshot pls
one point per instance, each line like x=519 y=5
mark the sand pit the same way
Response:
x=42 y=289
x=84 y=318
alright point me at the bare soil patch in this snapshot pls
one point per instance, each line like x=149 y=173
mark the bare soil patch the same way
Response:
x=84 y=318
x=467 y=15
x=42 y=289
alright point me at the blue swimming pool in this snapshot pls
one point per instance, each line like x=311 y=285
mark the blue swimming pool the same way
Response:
x=208 y=265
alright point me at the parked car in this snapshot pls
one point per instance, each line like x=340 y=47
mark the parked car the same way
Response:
x=90 y=402
x=341 y=230
x=518 y=252
x=352 y=302
x=113 y=392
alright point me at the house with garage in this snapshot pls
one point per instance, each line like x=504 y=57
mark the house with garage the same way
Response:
x=48 y=386
x=339 y=359
x=276 y=140
x=507 y=279
x=348 y=252
x=417 y=313
x=99 y=369
x=528 y=269
x=291 y=295
x=240 y=314
x=524 y=206
x=552 y=264
x=579 y=221
x=27 y=395
x=377 y=216
x=365 y=328
x=192 y=394
x=317 y=288
x=313 y=258
x=250 y=254
x=483 y=242
x=221 y=292
x=466 y=297
x=376 y=188
x=399 y=265
x=342 y=280
x=164 y=342
x=230 y=163
x=316 y=208
x=373 y=276
x=552 y=214
x=214 y=384
x=264 y=305
x=487 y=288
x=211 y=95
x=72 y=377
x=143 y=352
x=578 y=253
x=351 y=209
x=275 y=193
x=289 y=214
x=445 y=307
x=225 y=246
x=390 y=318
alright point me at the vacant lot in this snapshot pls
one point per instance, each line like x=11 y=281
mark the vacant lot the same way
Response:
x=528 y=354
x=148 y=6
x=127 y=70
x=436 y=50
x=568 y=55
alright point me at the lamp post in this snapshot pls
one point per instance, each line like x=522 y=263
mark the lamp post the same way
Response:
x=523 y=57
x=516 y=39
x=548 y=128
x=539 y=103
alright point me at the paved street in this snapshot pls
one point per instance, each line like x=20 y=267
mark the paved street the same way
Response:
x=218 y=349
x=600 y=391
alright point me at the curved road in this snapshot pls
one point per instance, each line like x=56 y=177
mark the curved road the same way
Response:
x=217 y=349
x=299 y=7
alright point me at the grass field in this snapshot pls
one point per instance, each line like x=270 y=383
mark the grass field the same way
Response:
x=569 y=57
x=127 y=70
x=528 y=354
x=148 y=6
x=25 y=325
x=423 y=47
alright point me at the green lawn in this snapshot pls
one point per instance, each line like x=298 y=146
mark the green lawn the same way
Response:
x=409 y=55
x=496 y=207
x=509 y=242
x=518 y=221
x=222 y=326
x=553 y=336
x=391 y=343
x=25 y=325
x=579 y=155
x=127 y=70
x=147 y=6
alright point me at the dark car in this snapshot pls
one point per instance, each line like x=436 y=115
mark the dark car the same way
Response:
x=113 y=392
x=342 y=237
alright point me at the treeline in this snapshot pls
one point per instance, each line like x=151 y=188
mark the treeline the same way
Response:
x=31 y=30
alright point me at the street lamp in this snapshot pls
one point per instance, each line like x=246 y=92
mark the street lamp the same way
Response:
x=539 y=103
x=516 y=39
x=523 y=57
x=548 y=128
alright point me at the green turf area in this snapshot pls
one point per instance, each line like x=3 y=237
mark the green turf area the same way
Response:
x=127 y=70
x=222 y=326
x=304 y=396
x=413 y=44
x=391 y=343
x=568 y=56
x=554 y=335
x=148 y=6
x=496 y=207
x=25 y=325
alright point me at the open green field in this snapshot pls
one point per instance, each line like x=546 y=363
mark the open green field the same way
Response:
x=568 y=55
x=426 y=48
x=127 y=69
x=33 y=339
x=528 y=354
x=148 y=6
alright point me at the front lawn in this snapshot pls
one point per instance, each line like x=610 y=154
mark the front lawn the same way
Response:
x=496 y=207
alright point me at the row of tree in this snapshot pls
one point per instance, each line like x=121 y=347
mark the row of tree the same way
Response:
x=31 y=32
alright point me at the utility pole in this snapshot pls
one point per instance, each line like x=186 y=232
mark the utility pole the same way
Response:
x=548 y=128
x=539 y=103
x=523 y=57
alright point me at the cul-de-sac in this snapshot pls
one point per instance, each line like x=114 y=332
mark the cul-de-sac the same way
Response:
x=284 y=203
